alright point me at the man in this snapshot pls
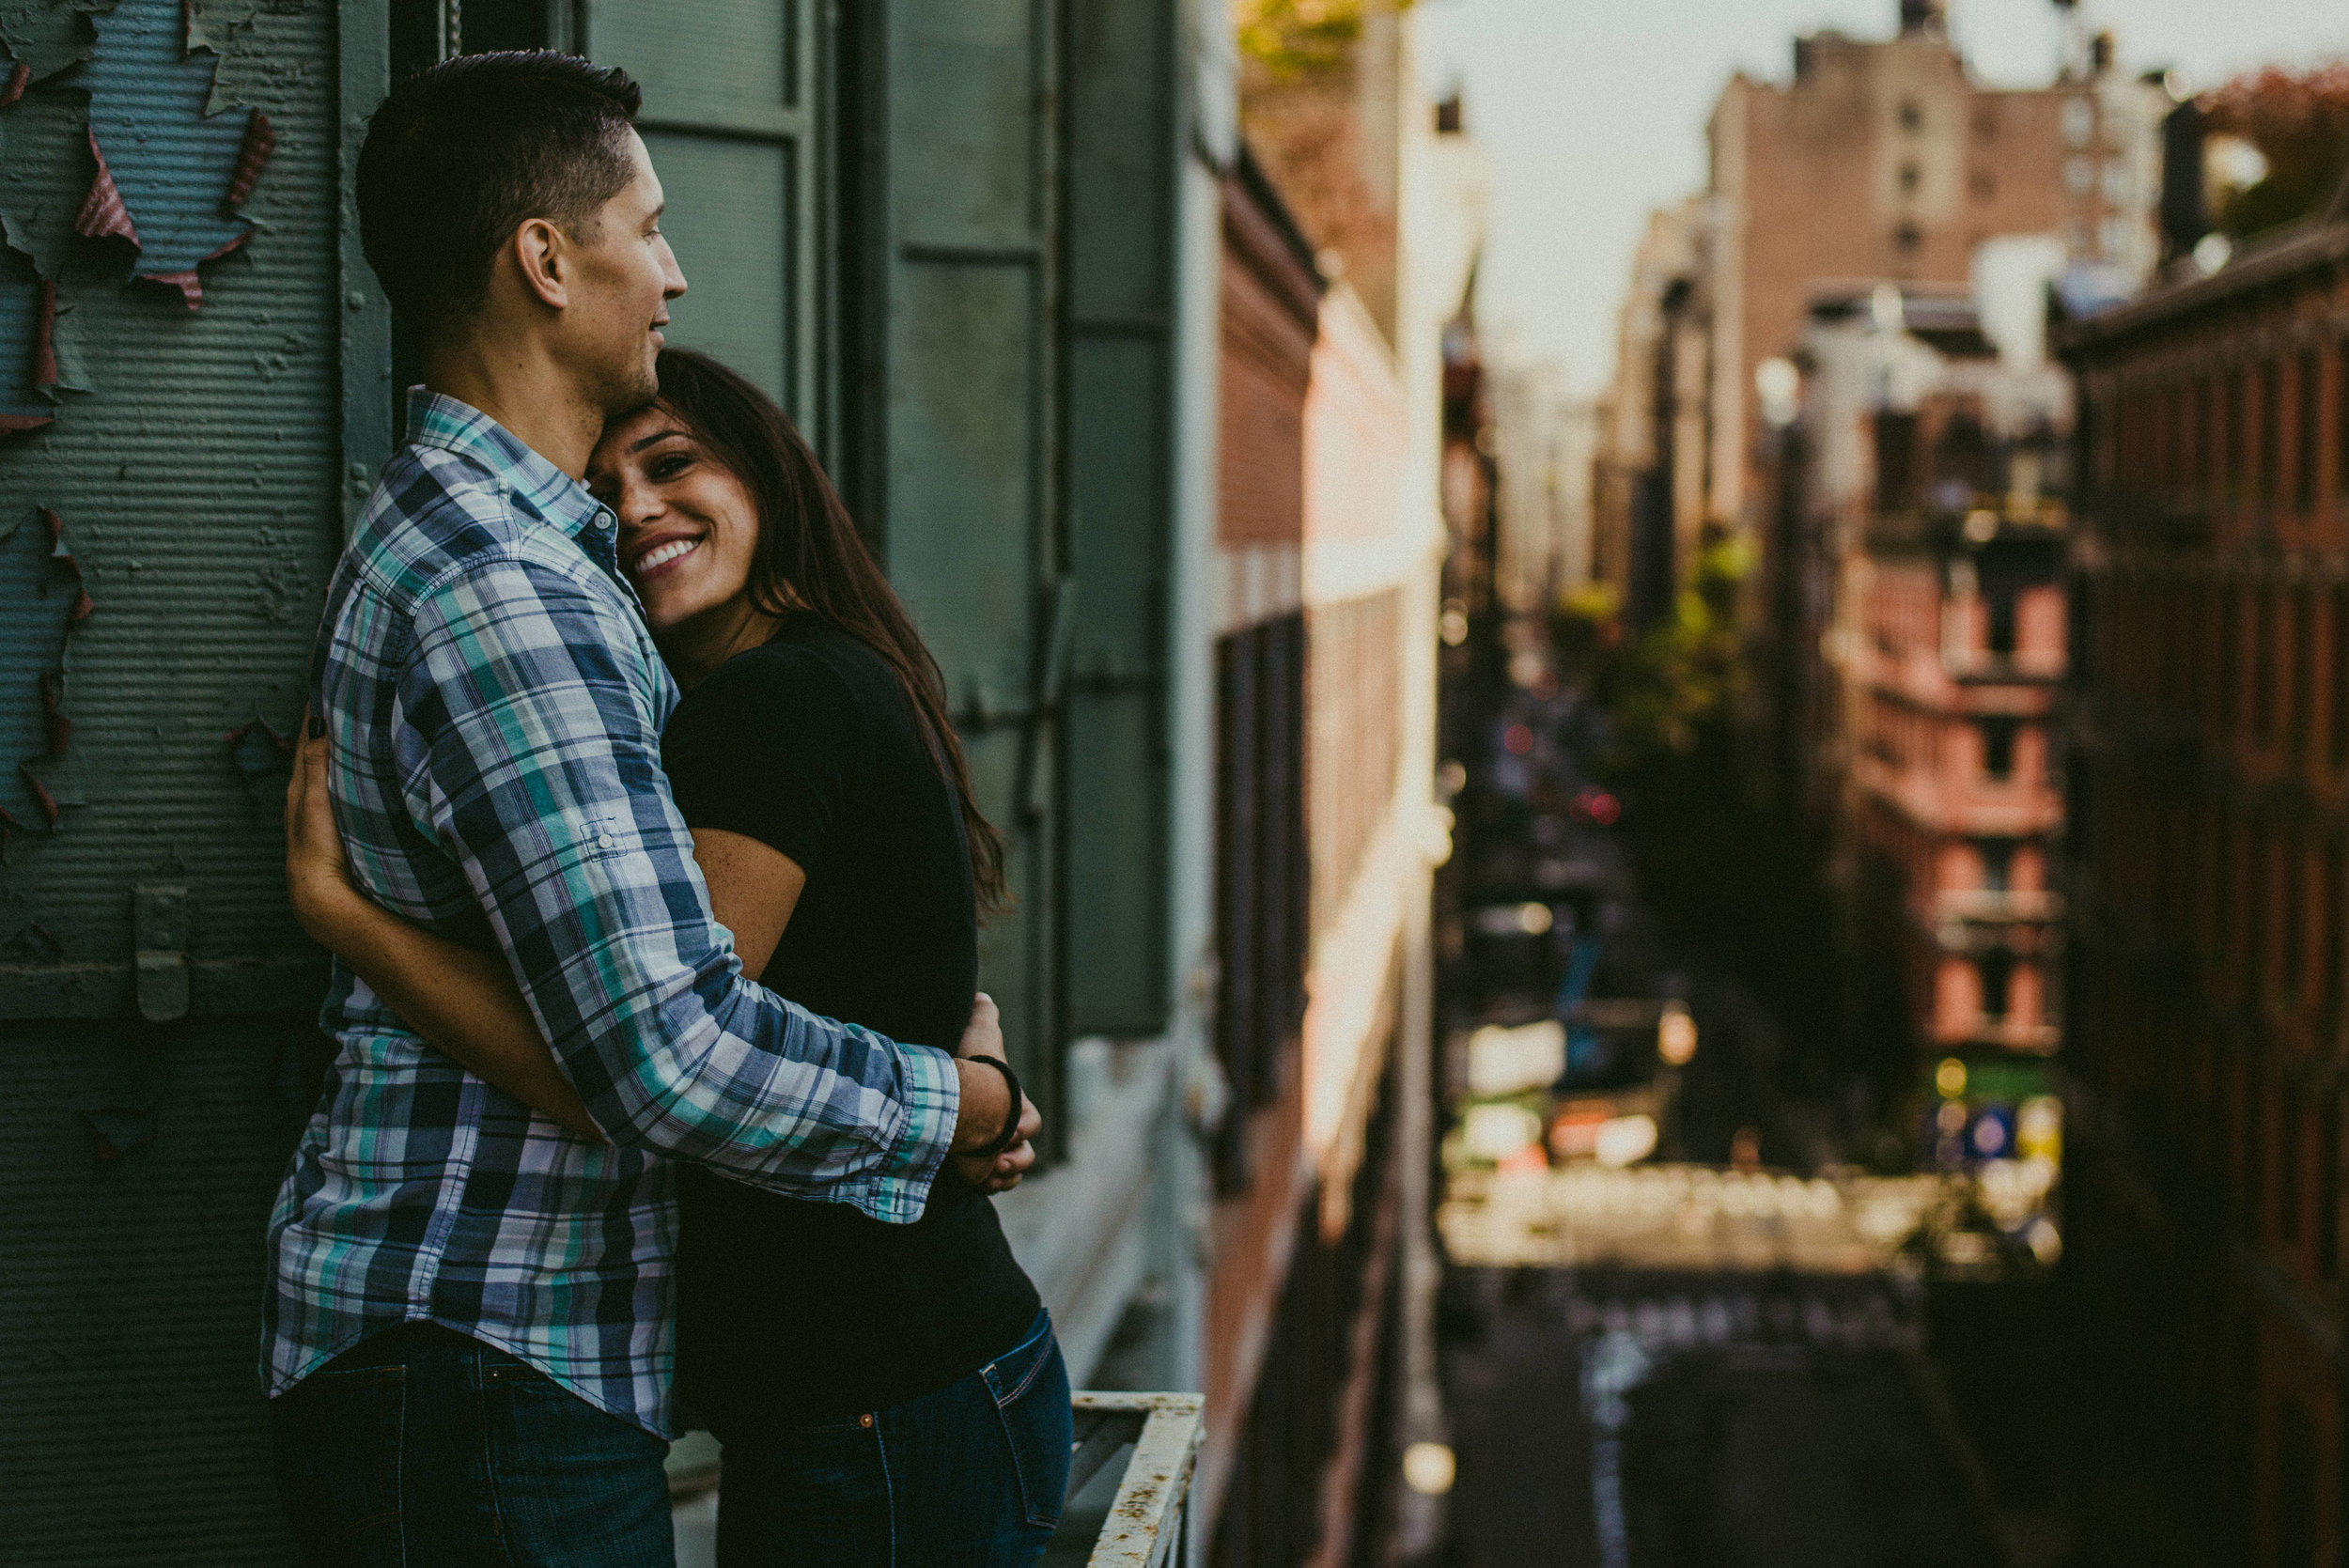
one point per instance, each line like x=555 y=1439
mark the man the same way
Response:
x=469 y=1336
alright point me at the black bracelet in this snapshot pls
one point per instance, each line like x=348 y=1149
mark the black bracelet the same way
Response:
x=1010 y=1135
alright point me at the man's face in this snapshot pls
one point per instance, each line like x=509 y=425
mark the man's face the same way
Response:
x=623 y=280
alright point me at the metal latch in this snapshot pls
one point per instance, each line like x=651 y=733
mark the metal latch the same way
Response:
x=159 y=939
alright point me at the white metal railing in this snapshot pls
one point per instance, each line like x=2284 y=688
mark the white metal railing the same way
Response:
x=1149 y=1519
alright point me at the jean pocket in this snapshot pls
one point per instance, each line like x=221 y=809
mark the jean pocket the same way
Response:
x=338 y=1436
x=1030 y=1386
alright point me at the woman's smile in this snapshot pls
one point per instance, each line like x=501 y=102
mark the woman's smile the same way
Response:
x=664 y=553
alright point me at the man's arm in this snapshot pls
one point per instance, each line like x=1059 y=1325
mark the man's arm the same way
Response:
x=535 y=763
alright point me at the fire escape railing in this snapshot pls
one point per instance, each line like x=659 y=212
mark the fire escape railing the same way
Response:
x=1148 y=1521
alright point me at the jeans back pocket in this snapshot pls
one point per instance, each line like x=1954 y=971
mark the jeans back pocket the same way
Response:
x=1030 y=1386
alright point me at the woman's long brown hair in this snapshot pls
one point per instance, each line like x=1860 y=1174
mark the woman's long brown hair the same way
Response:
x=810 y=560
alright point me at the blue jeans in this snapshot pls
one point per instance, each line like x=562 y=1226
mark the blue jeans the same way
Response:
x=968 y=1477
x=422 y=1448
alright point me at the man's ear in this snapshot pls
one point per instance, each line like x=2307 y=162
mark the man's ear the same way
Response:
x=541 y=251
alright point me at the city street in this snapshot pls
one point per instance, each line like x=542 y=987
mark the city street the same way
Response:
x=1705 y=1360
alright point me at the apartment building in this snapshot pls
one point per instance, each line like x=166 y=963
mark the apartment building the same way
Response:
x=2209 y=878
x=1935 y=470
x=1876 y=160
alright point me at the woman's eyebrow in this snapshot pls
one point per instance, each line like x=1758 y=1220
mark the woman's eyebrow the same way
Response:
x=656 y=437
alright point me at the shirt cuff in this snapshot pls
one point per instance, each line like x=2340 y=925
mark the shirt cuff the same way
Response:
x=933 y=1099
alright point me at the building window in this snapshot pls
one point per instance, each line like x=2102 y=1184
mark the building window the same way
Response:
x=2267 y=429
x=1908 y=179
x=1984 y=184
x=2259 y=922
x=1997 y=971
x=2210 y=441
x=2303 y=693
x=2079 y=176
x=1912 y=115
x=2328 y=1190
x=1998 y=865
x=2288 y=1219
x=1906 y=237
x=2336 y=673
x=1896 y=460
x=2080 y=122
x=2341 y=417
x=2235 y=420
x=2225 y=665
x=2001 y=607
x=2293 y=929
x=1261 y=870
x=1998 y=747
x=2304 y=436
x=2263 y=633
x=2192 y=422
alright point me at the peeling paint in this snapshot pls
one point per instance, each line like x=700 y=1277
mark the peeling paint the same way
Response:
x=33 y=943
x=42 y=599
x=28 y=353
x=46 y=36
x=116 y=1131
x=169 y=172
x=264 y=759
x=45 y=172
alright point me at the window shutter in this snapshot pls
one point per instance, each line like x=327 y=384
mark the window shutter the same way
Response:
x=1120 y=249
x=961 y=379
x=731 y=118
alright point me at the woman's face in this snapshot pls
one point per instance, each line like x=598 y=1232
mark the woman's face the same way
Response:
x=687 y=524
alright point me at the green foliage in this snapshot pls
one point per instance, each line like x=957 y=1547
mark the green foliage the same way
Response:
x=1731 y=877
x=2301 y=124
x=1301 y=37
x=1662 y=687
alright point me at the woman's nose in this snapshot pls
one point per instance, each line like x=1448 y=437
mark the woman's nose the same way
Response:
x=638 y=505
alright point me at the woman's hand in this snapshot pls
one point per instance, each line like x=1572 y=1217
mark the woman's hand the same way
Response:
x=318 y=877
x=984 y=1036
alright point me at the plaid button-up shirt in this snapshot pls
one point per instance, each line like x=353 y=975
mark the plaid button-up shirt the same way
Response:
x=495 y=707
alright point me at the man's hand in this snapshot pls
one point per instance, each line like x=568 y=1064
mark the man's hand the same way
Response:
x=985 y=1105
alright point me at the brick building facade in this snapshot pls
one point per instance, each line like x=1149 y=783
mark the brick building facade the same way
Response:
x=1324 y=662
x=2210 y=875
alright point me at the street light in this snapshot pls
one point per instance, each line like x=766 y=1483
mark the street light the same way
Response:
x=1676 y=1034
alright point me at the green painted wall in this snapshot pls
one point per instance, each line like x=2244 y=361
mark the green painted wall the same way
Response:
x=201 y=485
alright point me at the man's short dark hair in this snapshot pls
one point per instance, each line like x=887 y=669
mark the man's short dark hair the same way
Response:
x=465 y=152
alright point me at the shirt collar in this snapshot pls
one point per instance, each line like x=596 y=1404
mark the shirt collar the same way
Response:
x=436 y=419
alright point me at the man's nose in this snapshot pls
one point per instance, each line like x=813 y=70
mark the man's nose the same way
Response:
x=672 y=276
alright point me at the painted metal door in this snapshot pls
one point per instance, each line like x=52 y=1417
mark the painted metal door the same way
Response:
x=733 y=110
x=921 y=141
x=968 y=408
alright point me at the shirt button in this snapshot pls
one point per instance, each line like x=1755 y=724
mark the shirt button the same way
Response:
x=864 y=1420
x=604 y=841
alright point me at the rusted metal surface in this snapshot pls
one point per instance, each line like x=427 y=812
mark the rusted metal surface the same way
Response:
x=1146 y=1521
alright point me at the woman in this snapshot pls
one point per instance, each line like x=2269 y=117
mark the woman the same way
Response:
x=885 y=1393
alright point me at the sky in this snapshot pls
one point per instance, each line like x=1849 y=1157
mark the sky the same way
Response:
x=1592 y=112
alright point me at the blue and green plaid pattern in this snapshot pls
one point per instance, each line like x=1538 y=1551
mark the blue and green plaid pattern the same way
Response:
x=495 y=707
